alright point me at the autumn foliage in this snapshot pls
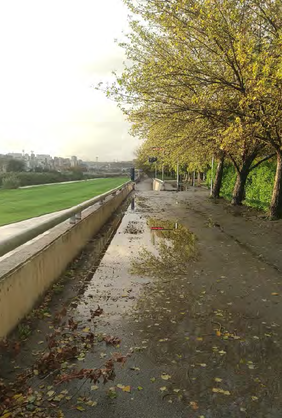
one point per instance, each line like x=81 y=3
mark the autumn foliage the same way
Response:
x=204 y=79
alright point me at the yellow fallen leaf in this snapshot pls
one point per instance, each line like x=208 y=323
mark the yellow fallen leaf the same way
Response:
x=165 y=376
x=222 y=391
x=162 y=389
x=91 y=403
x=217 y=379
x=194 y=405
x=254 y=398
x=80 y=408
x=274 y=294
x=94 y=387
x=18 y=397
x=126 y=389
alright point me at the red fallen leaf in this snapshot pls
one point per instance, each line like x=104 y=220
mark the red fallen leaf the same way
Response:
x=107 y=373
x=119 y=358
x=59 y=315
x=97 y=312
x=109 y=339
x=88 y=338
x=72 y=324
x=16 y=347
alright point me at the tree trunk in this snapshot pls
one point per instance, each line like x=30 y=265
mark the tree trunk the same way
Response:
x=239 y=189
x=199 y=178
x=218 y=179
x=276 y=201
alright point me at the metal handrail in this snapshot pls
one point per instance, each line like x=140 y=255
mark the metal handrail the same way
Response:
x=74 y=214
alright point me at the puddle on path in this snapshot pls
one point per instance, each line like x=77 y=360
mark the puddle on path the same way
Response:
x=219 y=362
x=174 y=247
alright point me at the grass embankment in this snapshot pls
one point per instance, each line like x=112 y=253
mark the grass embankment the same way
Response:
x=20 y=204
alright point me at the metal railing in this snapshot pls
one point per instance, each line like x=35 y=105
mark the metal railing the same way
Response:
x=73 y=214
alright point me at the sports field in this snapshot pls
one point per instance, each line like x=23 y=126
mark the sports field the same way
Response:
x=20 y=204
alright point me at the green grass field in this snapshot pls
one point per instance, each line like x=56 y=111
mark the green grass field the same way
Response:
x=20 y=204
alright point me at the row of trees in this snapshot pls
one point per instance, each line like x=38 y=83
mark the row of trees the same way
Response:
x=204 y=78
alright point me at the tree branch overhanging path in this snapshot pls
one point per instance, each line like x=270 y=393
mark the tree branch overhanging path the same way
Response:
x=205 y=78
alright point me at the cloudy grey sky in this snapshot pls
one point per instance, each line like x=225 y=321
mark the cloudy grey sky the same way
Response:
x=51 y=53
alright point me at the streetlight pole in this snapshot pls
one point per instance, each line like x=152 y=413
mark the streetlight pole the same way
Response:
x=177 y=175
x=212 y=164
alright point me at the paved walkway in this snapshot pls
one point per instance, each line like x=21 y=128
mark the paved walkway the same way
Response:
x=197 y=308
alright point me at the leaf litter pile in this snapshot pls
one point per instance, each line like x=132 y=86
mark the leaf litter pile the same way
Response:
x=42 y=390
x=217 y=361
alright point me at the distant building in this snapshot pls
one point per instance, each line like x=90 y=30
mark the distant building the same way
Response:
x=44 y=161
x=74 y=161
x=16 y=155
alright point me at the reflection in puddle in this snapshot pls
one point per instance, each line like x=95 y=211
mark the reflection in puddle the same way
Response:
x=220 y=362
x=175 y=246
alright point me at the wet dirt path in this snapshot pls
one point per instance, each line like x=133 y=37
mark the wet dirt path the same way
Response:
x=197 y=312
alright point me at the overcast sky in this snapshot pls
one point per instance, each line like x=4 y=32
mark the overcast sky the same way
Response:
x=51 y=53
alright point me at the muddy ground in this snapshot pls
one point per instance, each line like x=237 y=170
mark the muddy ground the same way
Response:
x=191 y=321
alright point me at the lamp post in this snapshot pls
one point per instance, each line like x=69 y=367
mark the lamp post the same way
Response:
x=177 y=175
x=212 y=164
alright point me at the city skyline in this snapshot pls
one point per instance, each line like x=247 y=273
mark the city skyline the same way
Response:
x=24 y=153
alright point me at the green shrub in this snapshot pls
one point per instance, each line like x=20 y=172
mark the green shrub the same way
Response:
x=229 y=179
x=10 y=181
x=35 y=178
x=259 y=184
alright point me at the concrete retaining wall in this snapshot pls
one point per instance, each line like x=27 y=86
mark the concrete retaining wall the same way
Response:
x=21 y=287
x=158 y=185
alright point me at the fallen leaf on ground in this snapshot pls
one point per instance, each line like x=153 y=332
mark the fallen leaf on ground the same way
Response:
x=165 y=376
x=194 y=405
x=80 y=408
x=222 y=391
